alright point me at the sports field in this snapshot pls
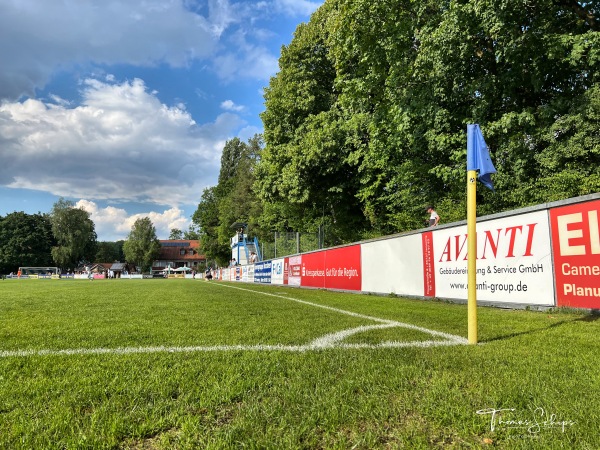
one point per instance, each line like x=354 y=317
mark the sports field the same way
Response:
x=151 y=364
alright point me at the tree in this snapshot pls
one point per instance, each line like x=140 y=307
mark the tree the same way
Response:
x=365 y=123
x=206 y=218
x=176 y=234
x=25 y=240
x=192 y=233
x=142 y=247
x=110 y=251
x=232 y=200
x=75 y=235
x=305 y=177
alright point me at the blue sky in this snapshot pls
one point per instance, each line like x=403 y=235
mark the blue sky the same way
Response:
x=124 y=106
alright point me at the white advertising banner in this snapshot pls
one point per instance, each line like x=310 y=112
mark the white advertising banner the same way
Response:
x=295 y=270
x=393 y=266
x=514 y=262
x=278 y=269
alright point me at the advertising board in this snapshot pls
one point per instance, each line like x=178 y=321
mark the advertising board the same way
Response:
x=294 y=270
x=279 y=271
x=576 y=251
x=262 y=272
x=393 y=266
x=338 y=268
x=514 y=261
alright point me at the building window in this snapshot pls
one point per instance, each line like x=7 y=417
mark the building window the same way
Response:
x=182 y=251
x=190 y=252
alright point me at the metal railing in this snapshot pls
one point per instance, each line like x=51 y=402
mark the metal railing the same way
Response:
x=290 y=243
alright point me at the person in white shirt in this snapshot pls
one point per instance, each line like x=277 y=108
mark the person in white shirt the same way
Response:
x=434 y=218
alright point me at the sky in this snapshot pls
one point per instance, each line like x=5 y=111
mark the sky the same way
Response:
x=123 y=106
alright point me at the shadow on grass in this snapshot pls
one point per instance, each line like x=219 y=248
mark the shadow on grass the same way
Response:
x=592 y=317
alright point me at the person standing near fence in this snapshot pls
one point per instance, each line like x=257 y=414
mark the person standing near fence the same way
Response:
x=434 y=218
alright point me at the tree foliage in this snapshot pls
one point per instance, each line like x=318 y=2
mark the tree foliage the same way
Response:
x=365 y=123
x=142 y=247
x=25 y=240
x=231 y=200
x=175 y=234
x=74 y=233
x=110 y=251
x=192 y=233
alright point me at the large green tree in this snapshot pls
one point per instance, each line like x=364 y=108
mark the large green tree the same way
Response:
x=206 y=217
x=74 y=231
x=305 y=177
x=366 y=120
x=232 y=200
x=25 y=240
x=142 y=247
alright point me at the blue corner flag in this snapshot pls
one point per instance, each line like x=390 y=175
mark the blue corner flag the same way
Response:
x=478 y=156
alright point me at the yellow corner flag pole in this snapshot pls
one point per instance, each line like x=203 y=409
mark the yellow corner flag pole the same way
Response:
x=478 y=159
x=472 y=253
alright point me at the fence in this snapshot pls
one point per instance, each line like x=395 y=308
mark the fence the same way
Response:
x=290 y=243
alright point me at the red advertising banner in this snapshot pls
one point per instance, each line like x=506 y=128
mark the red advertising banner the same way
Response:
x=313 y=270
x=576 y=251
x=338 y=268
x=428 y=265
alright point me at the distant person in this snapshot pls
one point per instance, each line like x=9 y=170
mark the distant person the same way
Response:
x=208 y=274
x=434 y=218
x=253 y=258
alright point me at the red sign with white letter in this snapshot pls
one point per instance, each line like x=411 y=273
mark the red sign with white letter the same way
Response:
x=338 y=268
x=576 y=250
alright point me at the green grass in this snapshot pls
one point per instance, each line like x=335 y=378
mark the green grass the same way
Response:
x=330 y=398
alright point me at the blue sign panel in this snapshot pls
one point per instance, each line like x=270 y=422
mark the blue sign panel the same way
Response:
x=262 y=272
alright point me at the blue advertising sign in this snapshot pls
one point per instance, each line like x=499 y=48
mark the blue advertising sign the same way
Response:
x=262 y=272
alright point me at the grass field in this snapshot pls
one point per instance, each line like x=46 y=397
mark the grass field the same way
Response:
x=152 y=364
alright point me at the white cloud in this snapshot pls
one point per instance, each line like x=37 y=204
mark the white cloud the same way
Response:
x=41 y=37
x=229 y=105
x=221 y=15
x=297 y=7
x=249 y=61
x=121 y=143
x=58 y=100
x=113 y=224
x=248 y=132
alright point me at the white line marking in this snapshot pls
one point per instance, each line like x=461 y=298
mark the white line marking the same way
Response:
x=218 y=348
x=328 y=341
x=392 y=323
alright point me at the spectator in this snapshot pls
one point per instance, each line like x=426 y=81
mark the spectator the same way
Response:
x=434 y=218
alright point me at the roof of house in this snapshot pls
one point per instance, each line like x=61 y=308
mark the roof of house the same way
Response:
x=170 y=250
